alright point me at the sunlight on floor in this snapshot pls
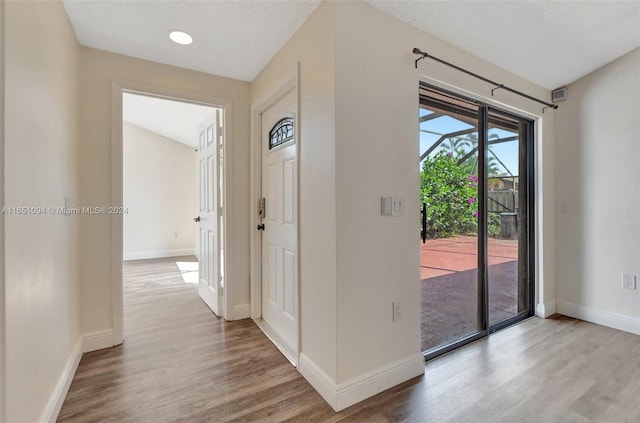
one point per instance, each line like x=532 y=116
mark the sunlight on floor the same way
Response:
x=189 y=271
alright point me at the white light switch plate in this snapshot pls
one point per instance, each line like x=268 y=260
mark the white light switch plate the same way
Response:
x=386 y=206
x=397 y=206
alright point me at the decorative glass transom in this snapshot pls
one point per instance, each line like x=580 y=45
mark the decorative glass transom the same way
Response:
x=281 y=132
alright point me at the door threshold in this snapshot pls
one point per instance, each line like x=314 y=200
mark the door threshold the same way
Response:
x=288 y=353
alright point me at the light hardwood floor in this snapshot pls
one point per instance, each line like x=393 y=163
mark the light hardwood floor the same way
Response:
x=180 y=363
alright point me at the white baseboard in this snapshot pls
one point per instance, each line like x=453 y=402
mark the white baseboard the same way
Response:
x=600 y=317
x=545 y=310
x=322 y=383
x=239 y=312
x=97 y=340
x=369 y=384
x=143 y=255
x=59 y=393
x=353 y=391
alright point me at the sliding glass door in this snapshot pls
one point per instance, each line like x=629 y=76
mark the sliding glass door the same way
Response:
x=475 y=166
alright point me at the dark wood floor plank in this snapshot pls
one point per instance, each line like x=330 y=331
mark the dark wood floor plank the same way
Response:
x=180 y=363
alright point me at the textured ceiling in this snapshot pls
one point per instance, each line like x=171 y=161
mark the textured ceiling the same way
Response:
x=172 y=119
x=230 y=38
x=551 y=43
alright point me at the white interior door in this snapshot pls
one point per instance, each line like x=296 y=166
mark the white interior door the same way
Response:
x=279 y=233
x=210 y=196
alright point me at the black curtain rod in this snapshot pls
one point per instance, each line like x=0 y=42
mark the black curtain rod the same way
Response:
x=497 y=86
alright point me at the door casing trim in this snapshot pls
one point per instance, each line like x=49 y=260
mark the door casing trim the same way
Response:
x=289 y=83
x=118 y=87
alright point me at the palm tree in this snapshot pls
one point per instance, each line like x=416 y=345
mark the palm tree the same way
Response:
x=457 y=146
x=493 y=167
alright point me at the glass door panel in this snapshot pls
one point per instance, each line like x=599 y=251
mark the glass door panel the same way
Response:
x=507 y=223
x=450 y=293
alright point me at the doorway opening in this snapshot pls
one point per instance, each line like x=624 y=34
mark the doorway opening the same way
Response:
x=173 y=209
x=476 y=195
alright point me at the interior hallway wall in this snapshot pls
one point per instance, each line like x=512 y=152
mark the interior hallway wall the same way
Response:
x=377 y=151
x=159 y=195
x=98 y=69
x=41 y=168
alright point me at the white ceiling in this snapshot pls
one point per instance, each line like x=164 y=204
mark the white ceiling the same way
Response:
x=230 y=38
x=172 y=119
x=551 y=43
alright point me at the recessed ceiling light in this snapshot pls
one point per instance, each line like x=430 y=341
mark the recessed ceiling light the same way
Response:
x=180 y=37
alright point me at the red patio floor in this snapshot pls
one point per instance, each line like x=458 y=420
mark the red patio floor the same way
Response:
x=450 y=285
x=449 y=255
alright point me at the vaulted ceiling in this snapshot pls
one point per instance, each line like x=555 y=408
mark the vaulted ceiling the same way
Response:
x=176 y=120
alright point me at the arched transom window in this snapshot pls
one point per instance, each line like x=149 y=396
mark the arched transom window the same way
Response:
x=281 y=132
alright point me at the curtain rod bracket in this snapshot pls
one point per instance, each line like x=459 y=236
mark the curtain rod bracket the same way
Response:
x=499 y=86
x=421 y=53
x=553 y=106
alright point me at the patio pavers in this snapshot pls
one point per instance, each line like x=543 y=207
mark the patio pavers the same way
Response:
x=449 y=286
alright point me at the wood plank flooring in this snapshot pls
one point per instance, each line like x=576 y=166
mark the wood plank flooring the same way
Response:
x=180 y=363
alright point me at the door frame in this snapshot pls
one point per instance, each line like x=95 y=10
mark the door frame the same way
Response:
x=118 y=87
x=541 y=208
x=289 y=83
x=533 y=211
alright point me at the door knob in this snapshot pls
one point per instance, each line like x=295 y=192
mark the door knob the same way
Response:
x=261 y=227
x=196 y=219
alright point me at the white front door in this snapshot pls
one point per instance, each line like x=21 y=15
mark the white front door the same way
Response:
x=210 y=195
x=279 y=233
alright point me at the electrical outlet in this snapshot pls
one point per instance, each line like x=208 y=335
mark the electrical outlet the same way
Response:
x=397 y=311
x=629 y=281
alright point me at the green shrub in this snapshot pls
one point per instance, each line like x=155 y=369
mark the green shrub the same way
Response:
x=493 y=225
x=450 y=191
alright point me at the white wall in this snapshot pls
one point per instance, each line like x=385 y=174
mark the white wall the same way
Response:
x=377 y=154
x=159 y=194
x=598 y=152
x=41 y=251
x=377 y=148
x=359 y=140
x=98 y=70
